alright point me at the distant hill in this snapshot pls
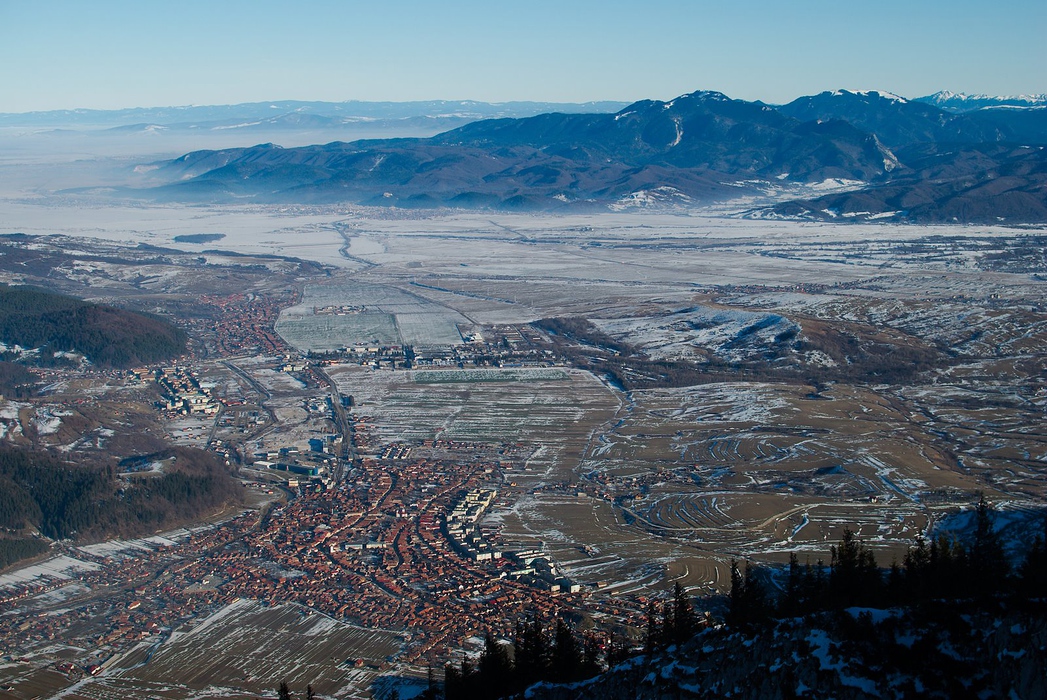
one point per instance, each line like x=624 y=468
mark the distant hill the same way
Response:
x=899 y=122
x=910 y=160
x=984 y=184
x=702 y=130
x=978 y=166
x=36 y=319
x=293 y=114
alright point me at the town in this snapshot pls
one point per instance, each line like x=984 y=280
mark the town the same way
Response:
x=395 y=546
x=380 y=535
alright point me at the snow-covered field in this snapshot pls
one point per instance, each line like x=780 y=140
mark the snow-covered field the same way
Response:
x=60 y=568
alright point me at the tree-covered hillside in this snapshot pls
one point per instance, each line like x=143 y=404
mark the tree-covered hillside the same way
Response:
x=60 y=500
x=108 y=337
x=16 y=382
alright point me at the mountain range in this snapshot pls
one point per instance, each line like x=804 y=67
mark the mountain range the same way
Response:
x=961 y=102
x=291 y=114
x=907 y=160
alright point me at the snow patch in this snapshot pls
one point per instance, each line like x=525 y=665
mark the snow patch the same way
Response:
x=872 y=93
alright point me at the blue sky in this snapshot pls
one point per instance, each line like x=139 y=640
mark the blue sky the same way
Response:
x=111 y=54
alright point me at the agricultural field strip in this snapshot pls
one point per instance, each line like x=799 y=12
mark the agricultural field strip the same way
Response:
x=250 y=643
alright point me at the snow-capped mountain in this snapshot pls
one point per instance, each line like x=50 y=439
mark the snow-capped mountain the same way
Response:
x=961 y=102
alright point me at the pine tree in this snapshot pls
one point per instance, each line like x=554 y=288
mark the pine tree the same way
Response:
x=947 y=571
x=749 y=601
x=431 y=691
x=757 y=601
x=653 y=637
x=452 y=681
x=566 y=656
x=590 y=656
x=736 y=613
x=1032 y=574
x=617 y=650
x=987 y=563
x=531 y=651
x=896 y=591
x=917 y=568
x=685 y=623
x=668 y=623
x=495 y=667
x=284 y=693
x=461 y=681
x=790 y=601
x=853 y=575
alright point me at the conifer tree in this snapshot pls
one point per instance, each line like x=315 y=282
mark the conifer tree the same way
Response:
x=986 y=561
x=789 y=604
x=749 y=601
x=668 y=623
x=617 y=650
x=590 y=656
x=431 y=691
x=736 y=612
x=853 y=575
x=916 y=570
x=653 y=637
x=494 y=666
x=1032 y=574
x=531 y=651
x=566 y=656
x=757 y=600
x=452 y=681
x=685 y=623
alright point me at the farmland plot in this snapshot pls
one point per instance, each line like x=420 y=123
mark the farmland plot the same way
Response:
x=562 y=523
x=760 y=470
x=554 y=411
x=381 y=315
x=246 y=649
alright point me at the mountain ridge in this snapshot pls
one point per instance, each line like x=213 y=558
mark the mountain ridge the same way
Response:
x=704 y=145
x=962 y=102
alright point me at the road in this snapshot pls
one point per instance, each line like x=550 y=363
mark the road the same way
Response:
x=347 y=455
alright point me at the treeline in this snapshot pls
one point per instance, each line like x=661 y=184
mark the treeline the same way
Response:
x=63 y=501
x=583 y=331
x=553 y=653
x=12 y=550
x=108 y=337
x=674 y=622
x=974 y=569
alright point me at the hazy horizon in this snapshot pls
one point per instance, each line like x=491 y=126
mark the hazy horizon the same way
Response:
x=120 y=55
x=665 y=98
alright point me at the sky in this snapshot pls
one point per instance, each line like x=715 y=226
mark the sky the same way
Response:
x=108 y=54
